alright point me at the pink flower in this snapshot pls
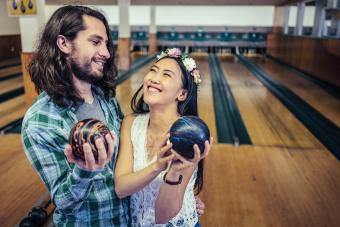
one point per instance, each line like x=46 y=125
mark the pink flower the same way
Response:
x=197 y=77
x=174 y=52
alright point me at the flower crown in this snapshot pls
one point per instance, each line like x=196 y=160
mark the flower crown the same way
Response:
x=189 y=63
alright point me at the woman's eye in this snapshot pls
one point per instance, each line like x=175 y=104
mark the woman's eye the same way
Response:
x=95 y=42
x=166 y=74
x=152 y=70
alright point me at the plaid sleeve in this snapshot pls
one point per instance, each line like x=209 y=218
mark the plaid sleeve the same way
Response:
x=44 y=146
x=118 y=110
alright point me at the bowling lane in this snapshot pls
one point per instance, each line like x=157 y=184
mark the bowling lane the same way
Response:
x=126 y=90
x=326 y=104
x=20 y=185
x=271 y=186
x=205 y=96
x=12 y=110
x=267 y=120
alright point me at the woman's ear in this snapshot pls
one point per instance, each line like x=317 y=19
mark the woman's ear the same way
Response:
x=183 y=95
x=64 y=44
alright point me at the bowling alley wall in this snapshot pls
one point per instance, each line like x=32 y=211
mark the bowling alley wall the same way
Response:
x=10 y=43
x=189 y=15
x=317 y=56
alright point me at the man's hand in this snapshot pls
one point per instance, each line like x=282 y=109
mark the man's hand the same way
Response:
x=90 y=163
x=200 y=206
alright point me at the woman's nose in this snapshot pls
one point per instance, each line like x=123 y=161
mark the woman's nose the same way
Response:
x=155 y=78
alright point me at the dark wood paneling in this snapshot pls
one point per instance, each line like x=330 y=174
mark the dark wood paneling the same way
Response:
x=319 y=57
x=333 y=46
x=10 y=46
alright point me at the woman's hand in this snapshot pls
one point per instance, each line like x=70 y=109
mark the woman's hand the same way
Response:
x=179 y=163
x=164 y=156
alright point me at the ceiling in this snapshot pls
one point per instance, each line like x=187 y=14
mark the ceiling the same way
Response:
x=174 y=2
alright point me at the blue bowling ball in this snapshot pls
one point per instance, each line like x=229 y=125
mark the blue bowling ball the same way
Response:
x=187 y=131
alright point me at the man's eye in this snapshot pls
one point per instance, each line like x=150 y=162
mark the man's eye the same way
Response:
x=166 y=74
x=152 y=70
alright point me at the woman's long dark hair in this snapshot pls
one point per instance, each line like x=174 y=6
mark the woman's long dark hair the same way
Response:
x=48 y=67
x=184 y=108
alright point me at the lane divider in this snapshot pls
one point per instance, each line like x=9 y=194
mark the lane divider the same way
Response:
x=229 y=123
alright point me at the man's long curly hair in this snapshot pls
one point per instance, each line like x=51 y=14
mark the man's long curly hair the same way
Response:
x=48 y=67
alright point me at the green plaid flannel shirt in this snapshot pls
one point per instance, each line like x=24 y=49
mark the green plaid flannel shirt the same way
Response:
x=82 y=198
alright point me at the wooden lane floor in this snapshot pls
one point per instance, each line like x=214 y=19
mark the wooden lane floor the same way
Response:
x=11 y=84
x=10 y=71
x=127 y=89
x=267 y=120
x=315 y=96
x=20 y=185
x=12 y=110
x=271 y=186
x=10 y=61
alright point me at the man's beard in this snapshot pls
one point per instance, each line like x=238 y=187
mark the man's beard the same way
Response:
x=83 y=72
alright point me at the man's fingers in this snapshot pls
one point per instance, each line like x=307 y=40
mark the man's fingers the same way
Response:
x=68 y=153
x=200 y=206
x=200 y=211
x=199 y=203
x=89 y=159
x=102 y=156
x=111 y=141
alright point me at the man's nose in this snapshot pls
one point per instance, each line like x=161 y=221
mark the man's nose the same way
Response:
x=104 y=51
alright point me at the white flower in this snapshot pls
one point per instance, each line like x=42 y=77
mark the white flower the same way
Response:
x=189 y=64
x=161 y=55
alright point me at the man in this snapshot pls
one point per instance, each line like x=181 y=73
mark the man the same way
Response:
x=74 y=71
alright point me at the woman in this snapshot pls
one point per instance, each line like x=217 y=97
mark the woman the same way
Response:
x=169 y=91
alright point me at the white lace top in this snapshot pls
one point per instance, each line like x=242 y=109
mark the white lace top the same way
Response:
x=143 y=202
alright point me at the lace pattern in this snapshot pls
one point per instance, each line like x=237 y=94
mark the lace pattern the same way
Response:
x=142 y=203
